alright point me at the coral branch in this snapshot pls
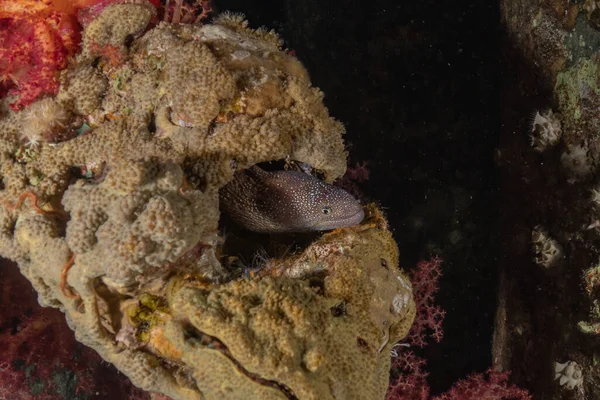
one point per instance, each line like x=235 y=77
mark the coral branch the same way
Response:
x=412 y=378
x=492 y=385
x=353 y=176
x=186 y=12
x=428 y=321
x=408 y=375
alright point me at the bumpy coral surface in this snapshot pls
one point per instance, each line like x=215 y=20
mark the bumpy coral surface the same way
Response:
x=110 y=206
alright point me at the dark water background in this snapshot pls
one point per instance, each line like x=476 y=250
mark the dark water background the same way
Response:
x=417 y=85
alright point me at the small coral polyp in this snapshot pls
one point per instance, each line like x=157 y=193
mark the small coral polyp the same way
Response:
x=568 y=374
x=578 y=162
x=547 y=251
x=545 y=131
x=45 y=121
x=110 y=206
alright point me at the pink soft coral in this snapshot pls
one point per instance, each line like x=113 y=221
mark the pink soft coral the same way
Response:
x=428 y=321
x=411 y=383
x=493 y=385
x=351 y=179
x=408 y=375
x=40 y=357
x=408 y=370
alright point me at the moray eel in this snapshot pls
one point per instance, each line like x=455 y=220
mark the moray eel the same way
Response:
x=287 y=201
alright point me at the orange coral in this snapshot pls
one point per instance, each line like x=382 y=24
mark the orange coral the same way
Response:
x=36 y=39
x=112 y=54
x=35 y=42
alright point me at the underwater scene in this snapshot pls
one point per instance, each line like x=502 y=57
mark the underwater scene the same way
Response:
x=299 y=200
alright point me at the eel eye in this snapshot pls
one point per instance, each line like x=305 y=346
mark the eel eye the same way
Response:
x=326 y=210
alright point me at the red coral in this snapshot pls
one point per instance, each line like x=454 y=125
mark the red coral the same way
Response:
x=408 y=375
x=35 y=43
x=408 y=378
x=353 y=176
x=186 y=11
x=494 y=386
x=40 y=358
x=111 y=53
x=359 y=173
x=428 y=321
x=411 y=383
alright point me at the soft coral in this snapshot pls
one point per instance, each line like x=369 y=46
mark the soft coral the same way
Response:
x=428 y=321
x=35 y=43
x=408 y=373
x=36 y=39
x=492 y=385
x=408 y=369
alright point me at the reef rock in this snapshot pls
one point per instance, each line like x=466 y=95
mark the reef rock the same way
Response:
x=110 y=207
x=550 y=269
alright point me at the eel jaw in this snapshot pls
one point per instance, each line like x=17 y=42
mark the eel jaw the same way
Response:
x=353 y=219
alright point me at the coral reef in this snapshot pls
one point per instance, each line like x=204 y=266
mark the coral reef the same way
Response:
x=110 y=207
x=551 y=200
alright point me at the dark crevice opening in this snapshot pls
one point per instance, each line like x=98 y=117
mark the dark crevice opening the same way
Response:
x=201 y=339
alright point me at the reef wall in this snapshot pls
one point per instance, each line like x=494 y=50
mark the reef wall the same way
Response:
x=547 y=322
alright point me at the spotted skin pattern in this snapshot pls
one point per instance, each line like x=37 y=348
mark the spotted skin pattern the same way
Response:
x=286 y=202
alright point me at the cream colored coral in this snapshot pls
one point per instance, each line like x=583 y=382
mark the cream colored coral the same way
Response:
x=115 y=25
x=578 y=162
x=545 y=131
x=43 y=120
x=82 y=86
x=568 y=374
x=128 y=209
x=548 y=252
x=196 y=84
x=145 y=223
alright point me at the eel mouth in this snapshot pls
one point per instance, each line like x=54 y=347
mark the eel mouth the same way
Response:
x=353 y=219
